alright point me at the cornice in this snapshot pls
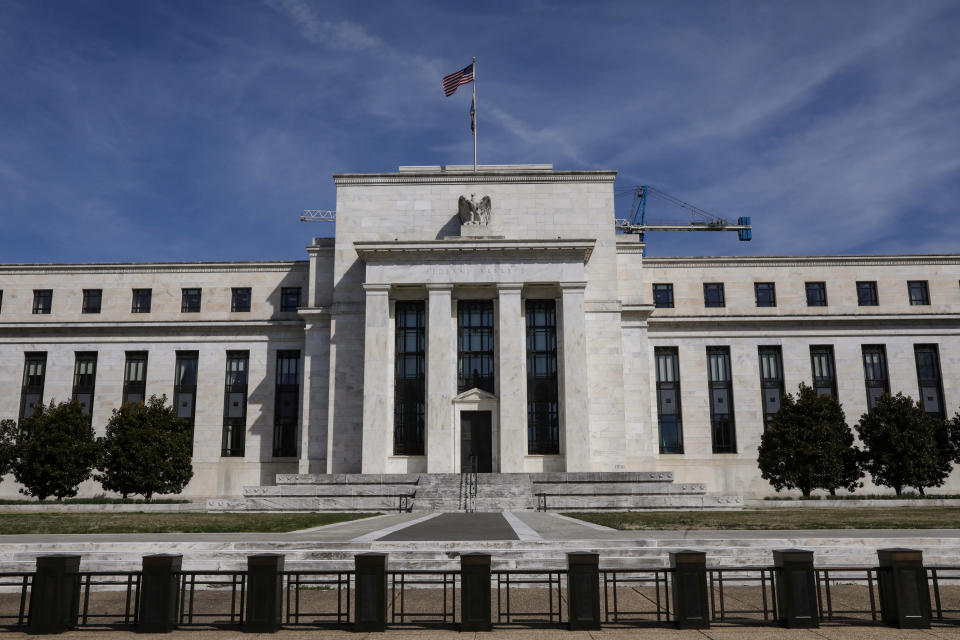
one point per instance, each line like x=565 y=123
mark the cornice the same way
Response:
x=812 y=321
x=798 y=261
x=155 y=267
x=380 y=251
x=488 y=177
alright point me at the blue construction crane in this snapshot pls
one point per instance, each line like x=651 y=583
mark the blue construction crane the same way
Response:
x=703 y=221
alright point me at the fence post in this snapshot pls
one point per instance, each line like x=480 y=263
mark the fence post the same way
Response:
x=264 y=593
x=583 y=591
x=796 y=585
x=690 y=605
x=475 y=592
x=370 y=592
x=904 y=589
x=55 y=594
x=159 y=593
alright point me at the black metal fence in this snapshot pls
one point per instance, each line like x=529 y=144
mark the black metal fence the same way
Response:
x=899 y=591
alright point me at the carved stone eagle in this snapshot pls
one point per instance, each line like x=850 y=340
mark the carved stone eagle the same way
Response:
x=473 y=213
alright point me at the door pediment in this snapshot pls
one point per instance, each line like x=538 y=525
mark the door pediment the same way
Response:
x=475 y=395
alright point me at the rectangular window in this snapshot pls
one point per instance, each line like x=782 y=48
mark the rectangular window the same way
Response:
x=34 y=373
x=141 y=300
x=190 y=301
x=722 y=424
x=235 y=404
x=928 y=375
x=824 y=370
x=135 y=377
x=867 y=293
x=765 y=293
x=713 y=294
x=919 y=293
x=771 y=381
x=185 y=386
x=240 y=300
x=668 y=399
x=409 y=380
x=42 y=300
x=85 y=379
x=287 y=408
x=663 y=296
x=289 y=298
x=91 y=300
x=475 y=361
x=1 y=300
x=875 y=372
x=816 y=294
x=543 y=405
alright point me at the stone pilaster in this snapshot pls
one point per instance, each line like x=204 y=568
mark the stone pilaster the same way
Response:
x=573 y=381
x=377 y=440
x=316 y=384
x=441 y=379
x=511 y=378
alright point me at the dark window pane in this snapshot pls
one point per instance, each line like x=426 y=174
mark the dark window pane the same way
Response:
x=289 y=298
x=928 y=375
x=235 y=404
x=91 y=300
x=867 y=294
x=721 y=400
x=141 y=300
x=240 y=300
x=286 y=404
x=543 y=405
x=919 y=294
x=668 y=400
x=875 y=373
x=713 y=294
x=135 y=377
x=824 y=371
x=190 y=301
x=771 y=381
x=663 y=295
x=84 y=380
x=816 y=294
x=766 y=294
x=34 y=373
x=409 y=392
x=475 y=358
x=42 y=300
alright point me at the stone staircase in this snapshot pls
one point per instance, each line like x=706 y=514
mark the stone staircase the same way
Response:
x=495 y=492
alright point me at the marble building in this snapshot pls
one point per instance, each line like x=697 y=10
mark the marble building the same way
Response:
x=493 y=319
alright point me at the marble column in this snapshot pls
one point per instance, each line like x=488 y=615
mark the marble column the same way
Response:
x=316 y=384
x=441 y=379
x=511 y=378
x=573 y=382
x=378 y=332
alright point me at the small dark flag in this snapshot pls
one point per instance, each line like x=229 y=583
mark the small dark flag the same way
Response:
x=454 y=80
x=473 y=116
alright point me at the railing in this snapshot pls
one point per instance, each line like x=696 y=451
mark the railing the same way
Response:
x=211 y=610
x=626 y=590
x=322 y=588
x=508 y=581
x=468 y=486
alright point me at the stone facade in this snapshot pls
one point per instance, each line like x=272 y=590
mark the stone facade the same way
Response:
x=551 y=237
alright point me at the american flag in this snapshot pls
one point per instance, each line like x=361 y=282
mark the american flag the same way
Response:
x=454 y=80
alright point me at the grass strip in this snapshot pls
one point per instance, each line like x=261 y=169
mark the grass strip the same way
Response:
x=782 y=518
x=139 y=522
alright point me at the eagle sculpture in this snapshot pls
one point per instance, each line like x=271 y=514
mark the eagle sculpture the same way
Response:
x=474 y=213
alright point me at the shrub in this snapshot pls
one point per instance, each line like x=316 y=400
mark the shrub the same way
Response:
x=904 y=447
x=808 y=445
x=55 y=450
x=146 y=450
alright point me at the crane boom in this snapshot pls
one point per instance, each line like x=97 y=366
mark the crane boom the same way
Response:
x=706 y=222
x=319 y=215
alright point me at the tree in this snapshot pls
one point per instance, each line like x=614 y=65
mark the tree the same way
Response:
x=8 y=445
x=146 y=450
x=55 y=450
x=808 y=445
x=904 y=447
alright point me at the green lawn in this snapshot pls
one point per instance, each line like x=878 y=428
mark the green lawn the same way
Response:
x=852 y=517
x=138 y=522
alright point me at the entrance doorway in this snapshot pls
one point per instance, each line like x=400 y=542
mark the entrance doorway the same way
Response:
x=476 y=441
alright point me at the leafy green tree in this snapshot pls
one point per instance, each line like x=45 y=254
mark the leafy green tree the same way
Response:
x=8 y=445
x=903 y=446
x=808 y=445
x=147 y=449
x=55 y=450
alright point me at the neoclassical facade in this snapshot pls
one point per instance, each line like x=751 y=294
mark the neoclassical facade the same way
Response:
x=491 y=320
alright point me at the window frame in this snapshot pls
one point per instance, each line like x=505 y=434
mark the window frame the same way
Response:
x=869 y=381
x=727 y=444
x=138 y=297
x=870 y=286
x=236 y=294
x=767 y=384
x=828 y=351
x=819 y=286
x=86 y=305
x=232 y=424
x=672 y=387
x=924 y=287
x=716 y=287
x=131 y=386
x=80 y=385
x=285 y=306
x=32 y=387
x=42 y=301
x=663 y=287
x=469 y=332
x=771 y=287
x=935 y=382
x=191 y=299
x=543 y=395
x=409 y=378
x=188 y=390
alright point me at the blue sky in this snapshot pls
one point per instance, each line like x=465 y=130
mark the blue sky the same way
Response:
x=198 y=130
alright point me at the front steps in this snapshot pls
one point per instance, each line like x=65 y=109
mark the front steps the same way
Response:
x=557 y=491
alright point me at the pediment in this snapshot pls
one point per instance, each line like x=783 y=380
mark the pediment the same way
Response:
x=473 y=395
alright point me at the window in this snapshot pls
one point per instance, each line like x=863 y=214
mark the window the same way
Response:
x=475 y=360
x=287 y=408
x=185 y=386
x=543 y=405
x=409 y=383
x=875 y=372
x=919 y=293
x=668 y=399
x=771 y=381
x=663 y=296
x=928 y=375
x=240 y=300
x=289 y=298
x=190 y=301
x=867 y=293
x=84 y=379
x=34 y=372
x=722 y=425
x=713 y=294
x=91 y=300
x=141 y=300
x=816 y=294
x=135 y=377
x=235 y=404
x=42 y=299
x=1 y=299
x=765 y=293
x=824 y=371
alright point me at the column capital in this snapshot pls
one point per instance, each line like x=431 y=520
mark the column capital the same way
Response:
x=439 y=286
x=509 y=287
x=572 y=286
x=374 y=288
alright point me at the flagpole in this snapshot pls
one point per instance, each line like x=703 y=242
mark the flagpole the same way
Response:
x=474 y=114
